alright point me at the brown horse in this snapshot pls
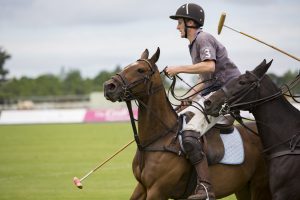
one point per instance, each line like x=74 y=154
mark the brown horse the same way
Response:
x=278 y=123
x=161 y=173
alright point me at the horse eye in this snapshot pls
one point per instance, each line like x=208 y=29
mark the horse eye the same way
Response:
x=140 y=70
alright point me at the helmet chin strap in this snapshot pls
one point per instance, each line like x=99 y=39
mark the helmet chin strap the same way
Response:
x=186 y=28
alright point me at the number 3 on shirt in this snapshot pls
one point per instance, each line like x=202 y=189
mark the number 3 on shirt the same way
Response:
x=207 y=53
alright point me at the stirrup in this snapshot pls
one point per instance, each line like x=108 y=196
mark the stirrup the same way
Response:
x=203 y=194
x=207 y=196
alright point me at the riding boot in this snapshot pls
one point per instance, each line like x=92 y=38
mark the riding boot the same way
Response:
x=193 y=148
x=203 y=189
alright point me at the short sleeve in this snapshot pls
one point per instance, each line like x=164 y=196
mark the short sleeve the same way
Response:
x=207 y=47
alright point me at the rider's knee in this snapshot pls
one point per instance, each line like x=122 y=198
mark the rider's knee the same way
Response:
x=190 y=140
x=192 y=146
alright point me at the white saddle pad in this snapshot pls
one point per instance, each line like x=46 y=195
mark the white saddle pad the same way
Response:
x=234 y=149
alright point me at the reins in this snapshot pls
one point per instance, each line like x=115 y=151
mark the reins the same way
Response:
x=128 y=96
x=229 y=108
x=184 y=98
x=239 y=119
x=249 y=104
x=143 y=147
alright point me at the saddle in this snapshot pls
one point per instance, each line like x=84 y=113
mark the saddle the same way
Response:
x=212 y=142
x=227 y=126
x=213 y=146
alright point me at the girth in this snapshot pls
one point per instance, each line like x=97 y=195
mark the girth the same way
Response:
x=294 y=148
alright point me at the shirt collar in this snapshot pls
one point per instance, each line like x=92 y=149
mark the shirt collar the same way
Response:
x=199 y=30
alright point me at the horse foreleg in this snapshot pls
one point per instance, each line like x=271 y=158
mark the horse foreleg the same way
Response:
x=259 y=185
x=139 y=193
x=257 y=189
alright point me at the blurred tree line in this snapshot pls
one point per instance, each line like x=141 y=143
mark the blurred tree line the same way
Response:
x=286 y=78
x=65 y=84
x=3 y=57
x=72 y=82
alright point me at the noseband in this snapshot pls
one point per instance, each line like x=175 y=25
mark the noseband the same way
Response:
x=128 y=95
x=128 y=86
x=232 y=102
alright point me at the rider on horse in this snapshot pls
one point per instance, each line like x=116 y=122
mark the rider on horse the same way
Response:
x=211 y=63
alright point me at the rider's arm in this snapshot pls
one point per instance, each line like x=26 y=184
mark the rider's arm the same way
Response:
x=207 y=66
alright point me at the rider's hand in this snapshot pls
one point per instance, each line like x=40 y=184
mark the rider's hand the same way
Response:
x=171 y=71
x=184 y=104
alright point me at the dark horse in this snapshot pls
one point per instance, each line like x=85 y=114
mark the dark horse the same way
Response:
x=278 y=124
x=162 y=173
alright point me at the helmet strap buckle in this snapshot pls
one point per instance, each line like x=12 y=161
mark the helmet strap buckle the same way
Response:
x=186 y=27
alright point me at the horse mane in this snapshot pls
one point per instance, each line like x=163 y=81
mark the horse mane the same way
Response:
x=283 y=98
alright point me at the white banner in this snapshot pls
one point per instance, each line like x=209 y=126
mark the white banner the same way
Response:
x=42 y=116
x=74 y=115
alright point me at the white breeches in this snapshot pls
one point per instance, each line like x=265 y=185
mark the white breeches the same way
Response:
x=198 y=122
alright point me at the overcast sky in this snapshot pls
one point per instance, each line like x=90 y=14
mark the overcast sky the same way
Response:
x=93 y=35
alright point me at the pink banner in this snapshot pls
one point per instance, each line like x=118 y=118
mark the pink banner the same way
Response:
x=108 y=115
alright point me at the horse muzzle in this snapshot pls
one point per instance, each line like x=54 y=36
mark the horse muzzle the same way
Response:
x=211 y=109
x=112 y=90
x=214 y=103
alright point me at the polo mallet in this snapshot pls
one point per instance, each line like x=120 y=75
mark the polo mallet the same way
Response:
x=221 y=25
x=78 y=181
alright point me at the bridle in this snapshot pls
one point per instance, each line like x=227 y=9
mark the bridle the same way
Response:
x=127 y=87
x=232 y=104
x=127 y=95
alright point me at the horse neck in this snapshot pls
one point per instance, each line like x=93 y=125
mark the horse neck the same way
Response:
x=277 y=120
x=156 y=118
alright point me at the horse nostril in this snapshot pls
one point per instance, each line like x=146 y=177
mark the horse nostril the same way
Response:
x=207 y=103
x=111 y=87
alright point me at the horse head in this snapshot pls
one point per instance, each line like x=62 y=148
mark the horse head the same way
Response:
x=240 y=92
x=137 y=80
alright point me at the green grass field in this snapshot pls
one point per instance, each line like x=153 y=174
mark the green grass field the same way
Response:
x=38 y=162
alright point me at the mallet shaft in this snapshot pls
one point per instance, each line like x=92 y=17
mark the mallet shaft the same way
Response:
x=221 y=25
x=270 y=46
x=245 y=34
x=108 y=159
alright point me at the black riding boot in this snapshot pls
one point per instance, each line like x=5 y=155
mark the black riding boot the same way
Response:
x=193 y=149
x=204 y=188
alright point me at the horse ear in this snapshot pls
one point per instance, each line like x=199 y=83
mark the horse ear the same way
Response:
x=261 y=69
x=145 y=54
x=155 y=57
x=269 y=64
x=263 y=63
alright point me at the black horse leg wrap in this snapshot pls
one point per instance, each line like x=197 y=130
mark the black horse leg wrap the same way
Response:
x=193 y=147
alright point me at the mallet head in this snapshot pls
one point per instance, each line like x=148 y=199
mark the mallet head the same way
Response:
x=221 y=22
x=77 y=182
